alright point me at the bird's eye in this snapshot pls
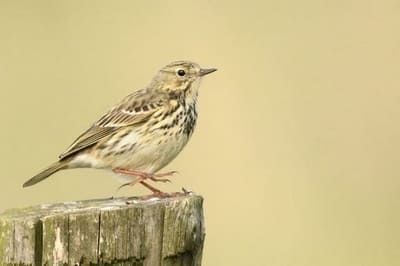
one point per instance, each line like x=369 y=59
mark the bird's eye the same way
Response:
x=181 y=72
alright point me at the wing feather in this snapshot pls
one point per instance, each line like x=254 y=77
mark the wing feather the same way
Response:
x=134 y=110
x=87 y=139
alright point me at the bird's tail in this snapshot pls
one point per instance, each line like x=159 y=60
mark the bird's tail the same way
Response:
x=57 y=166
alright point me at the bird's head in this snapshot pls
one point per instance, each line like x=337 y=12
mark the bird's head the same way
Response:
x=180 y=77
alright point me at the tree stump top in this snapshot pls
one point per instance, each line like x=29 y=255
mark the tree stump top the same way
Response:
x=113 y=231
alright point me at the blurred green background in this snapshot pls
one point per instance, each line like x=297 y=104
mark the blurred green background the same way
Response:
x=296 y=150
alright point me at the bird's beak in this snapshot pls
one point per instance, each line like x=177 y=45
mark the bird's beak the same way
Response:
x=205 y=71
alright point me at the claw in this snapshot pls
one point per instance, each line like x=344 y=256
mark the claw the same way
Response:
x=165 y=174
x=164 y=180
x=123 y=185
x=186 y=192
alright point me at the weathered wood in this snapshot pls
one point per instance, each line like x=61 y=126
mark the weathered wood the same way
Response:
x=120 y=231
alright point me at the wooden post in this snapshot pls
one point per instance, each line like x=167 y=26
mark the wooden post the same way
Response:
x=119 y=231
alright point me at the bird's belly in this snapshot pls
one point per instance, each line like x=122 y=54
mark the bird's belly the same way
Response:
x=151 y=156
x=147 y=153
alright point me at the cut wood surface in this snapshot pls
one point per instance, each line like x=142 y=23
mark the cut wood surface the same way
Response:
x=115 y=231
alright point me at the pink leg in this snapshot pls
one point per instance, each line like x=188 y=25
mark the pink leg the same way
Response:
x=143 y=176
x=153 y=177
x=155 y=191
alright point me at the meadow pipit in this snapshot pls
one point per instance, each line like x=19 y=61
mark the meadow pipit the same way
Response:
x=142 y=133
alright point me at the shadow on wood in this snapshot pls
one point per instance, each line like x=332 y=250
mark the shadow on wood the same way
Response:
x=120 y=231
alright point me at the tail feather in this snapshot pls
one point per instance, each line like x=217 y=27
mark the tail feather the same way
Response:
x=45 y=173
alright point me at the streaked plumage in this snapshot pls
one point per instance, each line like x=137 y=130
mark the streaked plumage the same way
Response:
x=144 y=132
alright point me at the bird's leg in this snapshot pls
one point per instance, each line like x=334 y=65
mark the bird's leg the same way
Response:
x=165 y=174
x=142 y=177
x=155 y=191
x=156 y=177
x=153 y=177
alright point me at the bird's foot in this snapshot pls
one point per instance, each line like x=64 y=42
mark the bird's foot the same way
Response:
x=142 y=176
x=157 y=177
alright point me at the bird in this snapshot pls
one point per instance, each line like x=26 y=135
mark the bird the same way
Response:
x=141 y=134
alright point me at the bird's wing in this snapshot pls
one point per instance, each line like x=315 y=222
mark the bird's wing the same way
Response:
x=134 y=110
